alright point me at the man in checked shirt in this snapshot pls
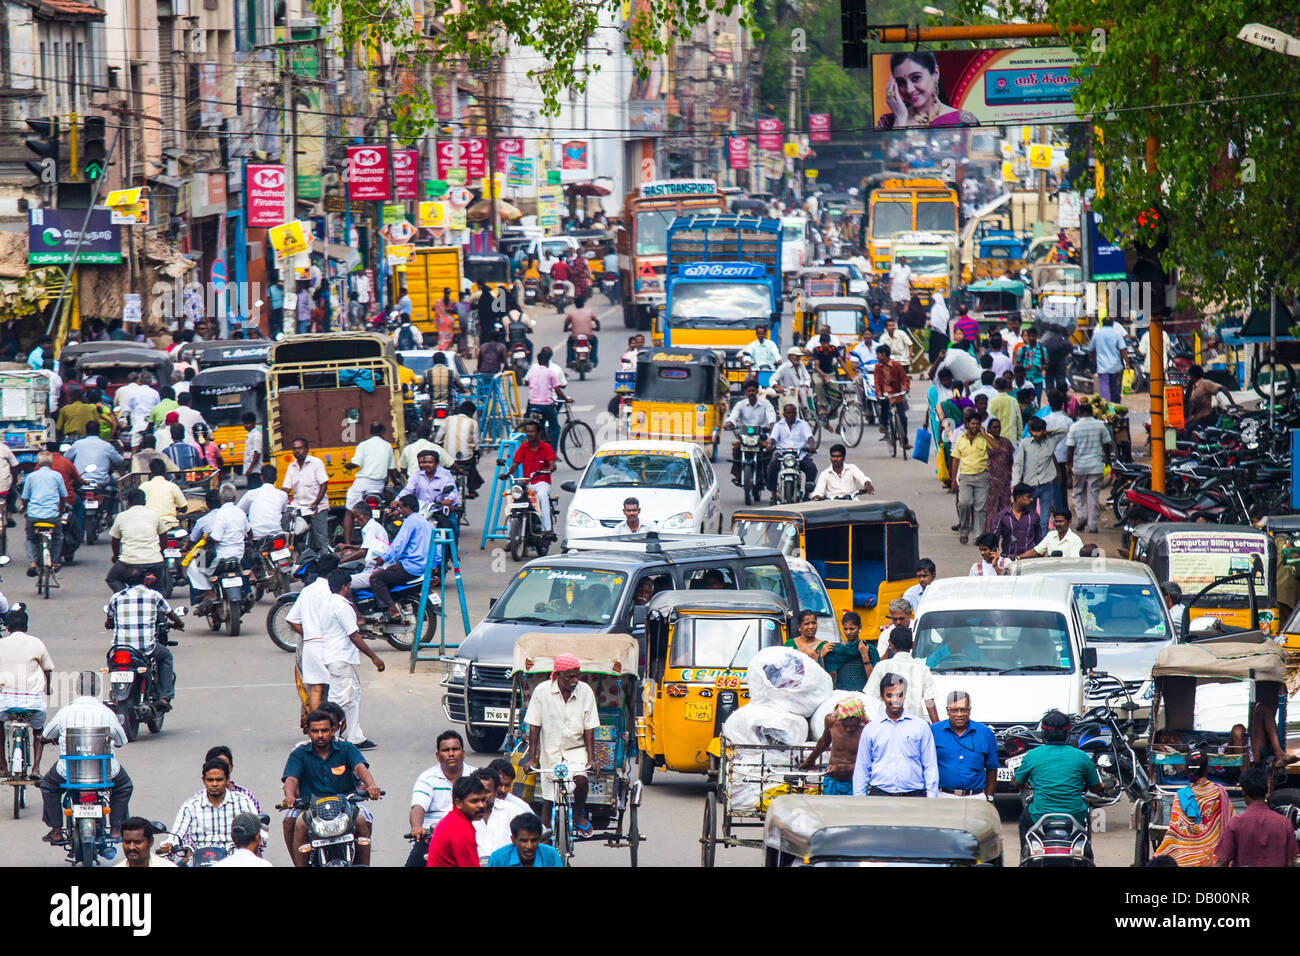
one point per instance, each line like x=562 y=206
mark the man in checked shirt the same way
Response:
x=133 y=618
x=205 y=818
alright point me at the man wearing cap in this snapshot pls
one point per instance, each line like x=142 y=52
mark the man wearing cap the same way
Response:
x=246 y=835
x=842 y=735
x=791 y=375
x=561 y=717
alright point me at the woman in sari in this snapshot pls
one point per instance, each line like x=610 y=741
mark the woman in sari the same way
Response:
x=444 y=320
x=1199 y=813
x=1001 y=452
x=207 y=447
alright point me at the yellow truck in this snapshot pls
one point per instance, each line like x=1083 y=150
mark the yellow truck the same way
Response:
x=432 y=269
x=934 y=261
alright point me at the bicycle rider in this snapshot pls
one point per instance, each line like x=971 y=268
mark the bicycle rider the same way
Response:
x=25 y=669
x=561 y=718
x=891 y=392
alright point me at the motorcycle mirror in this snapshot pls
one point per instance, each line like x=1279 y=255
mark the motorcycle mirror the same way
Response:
x=157 y=827
x=570 y=486
x=4 y=559
x=181 y=611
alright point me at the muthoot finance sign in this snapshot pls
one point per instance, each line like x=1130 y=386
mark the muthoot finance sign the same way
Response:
x=53 y=235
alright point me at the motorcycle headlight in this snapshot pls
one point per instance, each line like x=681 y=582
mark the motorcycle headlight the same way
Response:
x=518 y=493
x=679 y=522
x=789 y=461
x=458 y=672
x=330 y=828
x=580 y=519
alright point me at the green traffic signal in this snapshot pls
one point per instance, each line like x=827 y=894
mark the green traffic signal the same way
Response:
x=94 y=157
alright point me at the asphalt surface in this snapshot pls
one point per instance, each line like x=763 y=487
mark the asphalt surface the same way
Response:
x=239 y=691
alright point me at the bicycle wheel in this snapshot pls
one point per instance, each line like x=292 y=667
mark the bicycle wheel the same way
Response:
x=577 y=444
x=851 y=424
x=561 y=838
x=900 y=429
x=891 y=433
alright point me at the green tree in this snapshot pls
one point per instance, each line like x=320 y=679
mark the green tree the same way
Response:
x=1222 y=117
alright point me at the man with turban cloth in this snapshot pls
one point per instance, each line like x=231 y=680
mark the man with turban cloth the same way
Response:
x=843 y=728
x=561 y=717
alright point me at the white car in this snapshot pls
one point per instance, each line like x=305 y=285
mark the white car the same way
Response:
x=673 y=482
x=811 y=594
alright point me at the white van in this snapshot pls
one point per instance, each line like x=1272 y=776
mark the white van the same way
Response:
x=794 y=247
x=1015 y=644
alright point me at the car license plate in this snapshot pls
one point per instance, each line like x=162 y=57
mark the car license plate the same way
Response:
x=121 y=677
x=92 y=505
x=279 y=554
x=82 y=811
x=697 y=711
x=330 y=841
x=496 y=713
x=171 y=552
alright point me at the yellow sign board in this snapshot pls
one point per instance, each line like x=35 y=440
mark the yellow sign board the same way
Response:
x=810 y=173
x=433 y=214
x=1026 y=134
x=791 y=149
x=494 y=192
x=133 y=215
x=1040 y=156
x=289 y=239
x=124 y=197
x=1009 y=173
x=399 y=254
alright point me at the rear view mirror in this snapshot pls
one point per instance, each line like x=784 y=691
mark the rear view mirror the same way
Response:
x=181 y=611
x=570 y=486
x=1088 y=659
x=639 y=614
x=1205 y=626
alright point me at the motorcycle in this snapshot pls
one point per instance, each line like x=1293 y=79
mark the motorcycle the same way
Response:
x=524 y=522
x=85 y=818
x=175 y=544
x=753 y=461
x=531 y=286
x=519 y=361
x=1082 y=370
x=133 y=681
x=438 y=420
x=582 y=356
x=560 y=296
x=272 y=565
x=374 y=623
x=331 y=828
x=790 y=481
x=234 y=595
x=1217 y=504
x=609 y=283
x=459 y=470
x=98 y=498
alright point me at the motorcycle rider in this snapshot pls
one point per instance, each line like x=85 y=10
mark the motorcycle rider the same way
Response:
x=408 y=555
x=791 y=434
x=461 y=440
x=133 y=619
x=137 y=538
x=749 y=412
x=264 y=504
x=441 y=380
x=580 y=319
x=609 y=267
x=763 y=351
x=374 y=539
x=1058 y=773
x=560 y=280
x=93 y=450
x=27 y=663
x=44 y=497
x=492 y=353
x=536 y=461
x=205 y=818
x=229 y=532
x=86 y=710
x=792 y=376
x=322 y=768
x=839 y=479
x=435 y=487
x=374 y=464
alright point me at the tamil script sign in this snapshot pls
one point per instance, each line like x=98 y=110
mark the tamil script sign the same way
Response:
x=264 y=194
x=367 y=173
x=52 y=236
x=723 y=270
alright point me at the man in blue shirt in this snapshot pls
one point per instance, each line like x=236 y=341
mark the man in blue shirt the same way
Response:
x=1111 y=347
x=896 y=753
x=44 y=495
x=406 y=557
x=966 y=752
x=96 y=458
x=526 y=847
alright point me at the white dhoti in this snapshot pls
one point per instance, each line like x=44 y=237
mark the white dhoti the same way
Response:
x=313 y=663
x=359 y=487
x=345 y=690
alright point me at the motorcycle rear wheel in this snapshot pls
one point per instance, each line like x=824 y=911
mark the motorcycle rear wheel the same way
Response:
x=277 y=625
x=233 y=613
x=84 y=843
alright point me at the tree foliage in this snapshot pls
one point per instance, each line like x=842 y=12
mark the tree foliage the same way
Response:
x=559 y=31
x=1223 y=115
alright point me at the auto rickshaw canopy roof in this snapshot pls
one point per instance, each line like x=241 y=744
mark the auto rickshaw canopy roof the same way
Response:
x=883 y=827
x=251 y=374
x=1012 y=286
x=140 y=357
x=677 y=355
x=1225 y=660
x=822 y=302
x=596 y=653
x=822 y=514
x=719 y=600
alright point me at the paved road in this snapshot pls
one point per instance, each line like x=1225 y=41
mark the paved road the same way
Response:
x=239 y=691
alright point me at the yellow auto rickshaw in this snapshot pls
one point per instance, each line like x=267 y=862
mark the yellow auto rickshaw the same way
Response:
x=865 y=551
x=680 y=395
x=1195 y=555
x=815 y=282
x=847 y=316
x=698 y=646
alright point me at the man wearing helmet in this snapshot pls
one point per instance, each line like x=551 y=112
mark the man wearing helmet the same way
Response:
x=1058 y=773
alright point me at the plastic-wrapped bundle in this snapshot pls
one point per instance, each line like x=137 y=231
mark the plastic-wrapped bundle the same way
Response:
x=757 y=723
x=787 y=680
x=817 y=722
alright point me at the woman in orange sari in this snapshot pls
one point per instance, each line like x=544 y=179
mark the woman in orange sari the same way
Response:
x=1199 y=813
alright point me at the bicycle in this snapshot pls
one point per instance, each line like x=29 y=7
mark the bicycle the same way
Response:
x=844 y=414
x=45 y=573
x=577 y=439
x=896 y=426
x=561 y=810
x=20 y=742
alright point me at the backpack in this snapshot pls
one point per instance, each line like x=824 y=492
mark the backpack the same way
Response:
x=405 y=337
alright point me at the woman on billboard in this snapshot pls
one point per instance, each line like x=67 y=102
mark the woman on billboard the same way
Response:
x=915 y=96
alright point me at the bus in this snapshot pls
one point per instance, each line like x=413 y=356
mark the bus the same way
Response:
x=328 y=388
x=642 y=239
x=908 y=205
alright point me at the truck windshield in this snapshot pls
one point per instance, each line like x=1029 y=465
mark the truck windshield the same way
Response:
x=720 y=642
x=936 y=217
x=1006 y=640
x=671 y=471
x=652 y=231
x=719 y=305
x=841 y=321
x=1121 y=612
x=560 y=595
x=925 y=262
x=793 y=232
x=888 y=218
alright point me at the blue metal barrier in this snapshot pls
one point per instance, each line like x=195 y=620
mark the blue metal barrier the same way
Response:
x=494 y=526
x=444 y=538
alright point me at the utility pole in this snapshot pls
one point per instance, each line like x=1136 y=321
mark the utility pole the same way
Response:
x=490 y=161
x=796 y=72
x=289 y=139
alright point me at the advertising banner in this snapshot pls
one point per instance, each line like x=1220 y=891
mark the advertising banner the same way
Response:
x=573 y=155
x=367 y=173
x=508 y=148
x=52 y=236
x=469 y=155
x=738 y=153
x=264 y=194
x=819 y=127
x=289 y=239
x=548 y=206
x=519 y=171
x=1107 y=262
x=433 y=214
x=996 y=87
x=1200 y=558
x=771 y=134
x=406 y=173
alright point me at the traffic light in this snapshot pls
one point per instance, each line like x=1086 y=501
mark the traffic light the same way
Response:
x=94 y=158
x=45 y=145
x=1150 y=240
x=853 y=35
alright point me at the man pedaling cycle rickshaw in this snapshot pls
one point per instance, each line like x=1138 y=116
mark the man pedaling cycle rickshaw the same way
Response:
x=561 y=717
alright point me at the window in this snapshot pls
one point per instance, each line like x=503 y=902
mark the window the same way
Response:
x=998 y=640
x=889 y=218
x=560 y=596
x=710 y=579
x=1121 y=612
x=782 y=535
x=936 y=217
x=719 y=305
x=764 y=577
x=703 y=473
x=720 y=642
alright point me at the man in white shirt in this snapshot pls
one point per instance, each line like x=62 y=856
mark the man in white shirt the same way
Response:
x=753 y=411
x=493 y=828
x=375 y=464
x=841 y=479
x=407 y=463
x=305 y=619
x=632 y=523
x=187 y=416
x=374 y=542
x=925 y=575
x=900 y=284
x=763 y=351
x=143 y=398
x=253 y=439
x=1060 y=541
x=460 y=439
x=264 y=503
x=229 y=532
x=791 y=433
x=25 y=669
x=246 y=836
x=124 y=393
x=561 y=717
x=431 y=795
x=308 y=485
x=900 y=344
x=341 y=649
x=792 y=375
x=920 y=682
x=85 y=711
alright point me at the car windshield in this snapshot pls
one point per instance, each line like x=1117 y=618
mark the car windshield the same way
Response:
x=720 y=642
x=709 y=305
x=1005 y=640
x=560 y=596
x=1121 y=612
x=811 y=592
x=632 y=469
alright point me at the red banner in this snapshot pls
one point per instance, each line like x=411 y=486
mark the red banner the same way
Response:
x=771 y=134
x=406 y=173
x=574 y=154
x=819 y=127
x=367 y=173
x=738 y=153
x=471 y=156
x=264 y=194
x=506 y=148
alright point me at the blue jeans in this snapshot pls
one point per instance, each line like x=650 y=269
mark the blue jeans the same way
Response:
x=549 y=415
x=1045 y=501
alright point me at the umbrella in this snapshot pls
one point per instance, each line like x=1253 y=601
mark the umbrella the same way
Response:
x=483 y=210
x=586 y=189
